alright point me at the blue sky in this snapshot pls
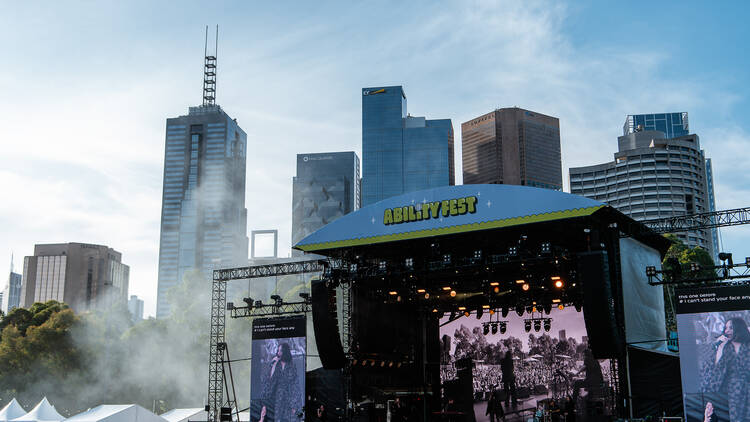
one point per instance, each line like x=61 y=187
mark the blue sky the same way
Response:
x=87 y=87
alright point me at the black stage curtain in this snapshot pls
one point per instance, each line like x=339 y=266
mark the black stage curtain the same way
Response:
x=655 y=383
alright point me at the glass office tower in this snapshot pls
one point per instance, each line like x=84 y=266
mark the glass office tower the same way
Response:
x=203 y=219
x=401 y=153
x=326 y=187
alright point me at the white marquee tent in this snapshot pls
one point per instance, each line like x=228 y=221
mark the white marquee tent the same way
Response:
x=42 y=412
x=116 y=413
x=11 y=410
x=185 y=415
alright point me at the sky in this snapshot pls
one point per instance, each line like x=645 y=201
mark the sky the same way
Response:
x=87 y=88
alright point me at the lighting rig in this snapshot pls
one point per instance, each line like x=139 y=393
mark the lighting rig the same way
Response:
x=677 y=273
x=537 y=322
x=493 y=326
x=277 y=308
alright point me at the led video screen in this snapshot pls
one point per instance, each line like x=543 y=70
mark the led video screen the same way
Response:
x=530 y=363
x=714 y=340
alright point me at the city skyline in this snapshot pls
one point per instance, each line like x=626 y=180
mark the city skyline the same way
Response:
x=93 y=171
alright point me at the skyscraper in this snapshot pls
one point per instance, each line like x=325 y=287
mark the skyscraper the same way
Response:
x=84 y=276
x=203 y=217
x=135 y=306
x=325 y=188
x=512 y=146
x=12 y=292
x=401 y=153
x=652 y=176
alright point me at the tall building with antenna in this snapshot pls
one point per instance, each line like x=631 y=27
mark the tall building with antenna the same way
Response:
x=203 y=215
x=11 y=296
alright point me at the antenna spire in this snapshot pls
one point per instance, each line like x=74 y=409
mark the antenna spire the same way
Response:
x=209 y=71
x=11 y=262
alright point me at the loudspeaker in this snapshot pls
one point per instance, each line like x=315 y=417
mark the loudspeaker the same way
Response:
x=605 y=338
x=325 y=324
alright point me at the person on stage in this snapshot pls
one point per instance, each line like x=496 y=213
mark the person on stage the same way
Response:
x=495 y=407
x=281 y=391
x=728 y=369
x=509 y=378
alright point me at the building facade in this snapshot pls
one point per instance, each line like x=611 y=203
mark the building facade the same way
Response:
x=401 y=153
x=512 y=146
x=326 y=187
x=672 y=124
x=84 y=276
x=12 y=292
x=203 y=217
x=652 y=176
x=135 y=306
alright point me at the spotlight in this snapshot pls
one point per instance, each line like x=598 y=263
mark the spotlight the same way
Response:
x=372 y=363
x=230 y=306
x=527 y=325
x=492 y=312
x=494 y=328
x=533 y=309
x=547 y=324
x=537 y=325
x=546 y=247
x=421 y=290
x=426 y=295
x=525 y=287
x=725 y=256
x=504 y=311
x=520 y=281
x=480 y=311
x=529 y=309
x=382 y=364
x=393 y=293
x=258 y=303
x=446 y=288
x=409 y=263
x=578 y=307
x=503 y=327
x=304 y=296
x=547 y=308
x=249 y=301
x=559 y=284
x=486 y=328
x=496 y=290
x=364 y=362
x=561 y=306
x=467 y=313
x=519 y=310
x=399 y=365
x=390 y=364
x=695 y=267
x=434 y=311
x=512 y=251
x=354 y=362
x=275 y=298
x=494 y=283
x=452 y=316
x=453 y=293
x=747 y=261
x=650 y=271
x=462 y=308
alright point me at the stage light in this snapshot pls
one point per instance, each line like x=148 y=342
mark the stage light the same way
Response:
x=453 y=293
x=503 y=327
x=467 y=313
x=398 y=298
x=426 y=295
x=446 y=288
x=525 y=287
x=480 y=311
x=496 y=290
x=520 y=281
x=494 y=283
x=399 y=365
x=547 y=308
x=462 y=308
x=364 y=362
x=504 y=311
x=695 y=267
x=485 y=306
x=452 y=316
x=382 y=265
x=372 y=363
x=726 y=256
x=421 y=290
x=527 y=325
x=561 y=306
x=486 y=329
x=305 y=296
x=519 y=310
x=492 y=312
x=747 y=261
x=275 y=298
x=512 y=251
x=230 y=306
x=650 y=271
x=533 y=309
x=249 y=301
x=258 y=303
x=547 y=324
x=537 y=325
x=555 y=300
x=494 y=328
x=434 y=311
x=354 y=362
x=546 y=247
x=393 y=293
x=382 y=364
x=409 y=263
x=447 y=259
x=559 y=284
x=578 y=307
x=529 y=309
x=390 y=364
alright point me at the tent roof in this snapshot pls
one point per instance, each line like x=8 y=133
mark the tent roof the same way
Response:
x=11 y=410
x=116 y=413
x=182 y=415
x=493 y=206
x=43 y=411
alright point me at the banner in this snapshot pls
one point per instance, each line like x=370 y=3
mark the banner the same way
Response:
x=277 y=380
x=712 y=324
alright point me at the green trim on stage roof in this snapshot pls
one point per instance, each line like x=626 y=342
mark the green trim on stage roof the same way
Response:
x=463 y=228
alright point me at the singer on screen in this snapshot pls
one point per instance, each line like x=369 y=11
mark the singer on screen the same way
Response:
x=727 y=370
x=281 y=389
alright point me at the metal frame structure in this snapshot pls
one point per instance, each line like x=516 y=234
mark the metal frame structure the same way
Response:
x=705 y=220
x=209 y=72
x=219 y=377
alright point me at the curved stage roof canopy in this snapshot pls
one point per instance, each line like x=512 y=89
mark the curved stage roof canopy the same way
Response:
x=448 y=210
